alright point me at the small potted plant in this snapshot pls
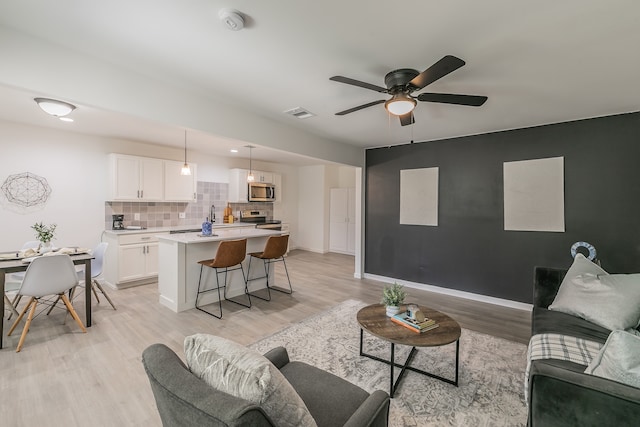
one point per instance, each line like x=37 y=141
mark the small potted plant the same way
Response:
x=45 y=234
x=392 y=297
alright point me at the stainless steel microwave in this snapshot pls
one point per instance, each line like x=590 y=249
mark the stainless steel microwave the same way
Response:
x=262 y=192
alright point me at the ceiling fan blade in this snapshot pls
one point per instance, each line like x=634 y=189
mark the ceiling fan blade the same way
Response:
x=438 y=70
x=358 y=83
x=407 y=119
x=360 y=107
x=451 y=98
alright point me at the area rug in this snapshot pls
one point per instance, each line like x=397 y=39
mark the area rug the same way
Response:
x=491 y=374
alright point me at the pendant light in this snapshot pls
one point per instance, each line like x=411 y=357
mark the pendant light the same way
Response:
x=186 y=170
x=250 y=177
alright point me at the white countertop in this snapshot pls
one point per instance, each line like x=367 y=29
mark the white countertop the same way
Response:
x=220 y=234
x=156 y=230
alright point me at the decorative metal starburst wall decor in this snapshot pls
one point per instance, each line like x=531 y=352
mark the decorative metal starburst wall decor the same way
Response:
x=26 y=189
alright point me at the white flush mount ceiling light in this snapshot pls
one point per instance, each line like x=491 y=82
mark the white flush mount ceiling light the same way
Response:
x=232 y=19
x=186 y=170
x=55 y=108
x=400 y=104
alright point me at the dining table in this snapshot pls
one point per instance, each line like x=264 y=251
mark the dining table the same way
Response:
x=18 y=264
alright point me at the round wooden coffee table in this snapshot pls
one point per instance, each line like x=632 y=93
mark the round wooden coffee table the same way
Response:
x=374 y=320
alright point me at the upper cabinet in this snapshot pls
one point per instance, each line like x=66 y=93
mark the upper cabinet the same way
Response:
x=178 y=187
x=263 y=177
x=135 y=178
x=238 y=190
x=138 y=179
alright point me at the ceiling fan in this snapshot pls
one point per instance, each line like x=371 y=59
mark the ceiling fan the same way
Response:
x=403 y=82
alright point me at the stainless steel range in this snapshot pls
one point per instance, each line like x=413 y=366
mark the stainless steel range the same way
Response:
x=259 y=218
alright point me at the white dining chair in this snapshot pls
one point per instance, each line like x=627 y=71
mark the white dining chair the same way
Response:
x=46 y=276
x=13 y=281
x=97 y=264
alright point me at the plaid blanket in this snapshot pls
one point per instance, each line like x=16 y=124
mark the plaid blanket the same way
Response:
x=561 y=347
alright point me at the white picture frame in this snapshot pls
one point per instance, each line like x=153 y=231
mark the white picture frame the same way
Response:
x=419 y=196
x=534 y=195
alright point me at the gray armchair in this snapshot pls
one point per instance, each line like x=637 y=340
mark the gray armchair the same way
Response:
x=185 y=400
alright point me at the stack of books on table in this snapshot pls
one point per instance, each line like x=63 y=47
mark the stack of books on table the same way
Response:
x=403 y=319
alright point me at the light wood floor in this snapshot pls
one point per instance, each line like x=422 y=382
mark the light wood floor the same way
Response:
x=67 y=378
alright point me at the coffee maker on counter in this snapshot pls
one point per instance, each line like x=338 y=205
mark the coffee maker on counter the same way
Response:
x=118 y=222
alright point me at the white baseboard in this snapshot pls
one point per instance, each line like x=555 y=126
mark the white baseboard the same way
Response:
x=316 y=250
x=453 y=292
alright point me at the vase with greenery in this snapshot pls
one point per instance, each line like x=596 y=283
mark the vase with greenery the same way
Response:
x=392 y=297
x=45 y=234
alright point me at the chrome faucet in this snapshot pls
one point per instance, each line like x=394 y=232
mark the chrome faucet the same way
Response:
x=212 y=213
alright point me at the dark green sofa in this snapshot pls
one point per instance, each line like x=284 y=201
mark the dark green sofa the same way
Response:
x=560 y=393
x=184 y=400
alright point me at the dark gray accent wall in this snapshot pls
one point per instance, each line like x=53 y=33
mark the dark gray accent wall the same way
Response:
x=469 y=249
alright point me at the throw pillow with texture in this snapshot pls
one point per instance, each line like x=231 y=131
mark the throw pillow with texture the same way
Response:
x=619 y=359
x=245 y=373
x=609 y=300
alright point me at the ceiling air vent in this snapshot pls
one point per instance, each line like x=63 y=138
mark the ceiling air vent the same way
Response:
x=299 y=113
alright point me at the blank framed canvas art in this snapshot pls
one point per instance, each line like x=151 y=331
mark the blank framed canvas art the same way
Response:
x=419 y=196
x=534 y=195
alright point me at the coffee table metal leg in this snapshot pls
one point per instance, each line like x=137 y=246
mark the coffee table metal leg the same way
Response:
x=405 y=366
x=392 y=387
x=457 y=361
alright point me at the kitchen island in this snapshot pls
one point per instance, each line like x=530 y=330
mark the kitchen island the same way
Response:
x=179 y=271
x=132 y=255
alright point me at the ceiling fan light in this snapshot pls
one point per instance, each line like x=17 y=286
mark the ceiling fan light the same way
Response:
x=400 y=104
x=54 y=107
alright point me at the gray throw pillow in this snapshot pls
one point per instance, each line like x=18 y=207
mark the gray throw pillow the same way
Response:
x=619 y=359
x=609 y=300
x=241 y=372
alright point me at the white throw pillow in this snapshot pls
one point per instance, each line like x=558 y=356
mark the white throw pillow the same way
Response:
x=619 y=359
x=609 y=300
x=241 y=372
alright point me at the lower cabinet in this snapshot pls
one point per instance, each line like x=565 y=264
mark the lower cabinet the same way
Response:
x=132 y=259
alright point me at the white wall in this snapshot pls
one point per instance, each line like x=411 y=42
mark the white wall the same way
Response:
x=76 y=168
x=311 y=209
x=314 y=185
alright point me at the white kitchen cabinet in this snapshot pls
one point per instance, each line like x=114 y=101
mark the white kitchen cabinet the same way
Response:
x=342 y=224
x=266 y=177
x=135 y=178
x=132 y=259
x=238 y=189
x=178 y=187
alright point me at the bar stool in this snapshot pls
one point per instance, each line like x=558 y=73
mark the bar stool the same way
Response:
x=274 y=251
x=230 y=253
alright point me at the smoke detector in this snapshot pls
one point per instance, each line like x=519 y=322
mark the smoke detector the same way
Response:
x=232 y=19
x=299 y=113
